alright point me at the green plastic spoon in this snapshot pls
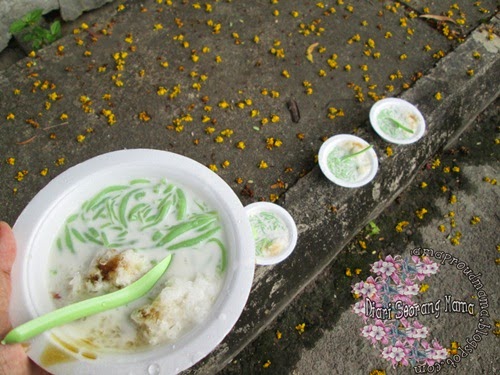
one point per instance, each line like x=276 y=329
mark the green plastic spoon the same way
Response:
x=88 y=307
x=401 y=126
x=345 y=157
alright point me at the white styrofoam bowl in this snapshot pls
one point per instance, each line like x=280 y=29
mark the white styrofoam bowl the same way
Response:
x=38 y=225
x=337 y=140
x=405 y=110
x=287 y=219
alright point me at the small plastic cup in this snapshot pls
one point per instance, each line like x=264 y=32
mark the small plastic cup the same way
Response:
x=342 y=162
x=397 y=121
x=274 y=231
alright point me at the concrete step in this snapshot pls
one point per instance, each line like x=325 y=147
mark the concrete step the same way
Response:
x=323 y=233
x=328 y=216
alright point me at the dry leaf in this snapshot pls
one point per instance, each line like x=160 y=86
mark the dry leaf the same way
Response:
x=55 y=126
x=27 y=141
x=293 y=107
x=310 y=50
x=437 y=17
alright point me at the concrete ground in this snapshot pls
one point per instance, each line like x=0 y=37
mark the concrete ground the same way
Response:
x=478 y=248
x=212 y=81
x=331 y=342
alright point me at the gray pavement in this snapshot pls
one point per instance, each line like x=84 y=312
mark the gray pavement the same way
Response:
x=331 y=342
x=236 y=60
x=477 y=248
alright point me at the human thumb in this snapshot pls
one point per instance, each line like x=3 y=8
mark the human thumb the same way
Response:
x=7 y=256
